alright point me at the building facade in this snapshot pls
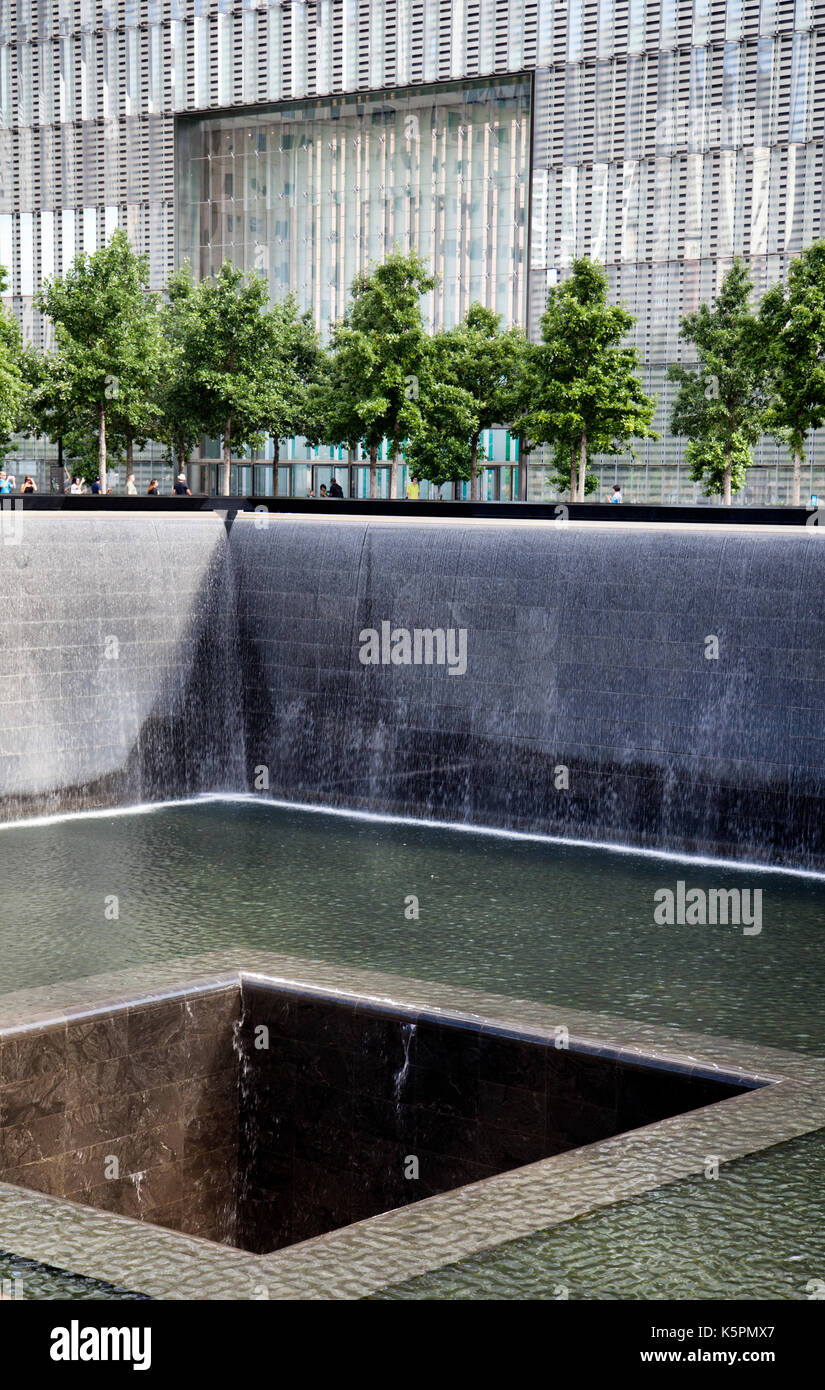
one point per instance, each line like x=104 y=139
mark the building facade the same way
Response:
x=502 y=138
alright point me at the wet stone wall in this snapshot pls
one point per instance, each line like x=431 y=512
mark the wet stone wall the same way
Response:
x=260 y=1117
x=652 y=687
x=133 y=1110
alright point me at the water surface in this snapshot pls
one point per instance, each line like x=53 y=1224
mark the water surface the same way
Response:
x=548 y=921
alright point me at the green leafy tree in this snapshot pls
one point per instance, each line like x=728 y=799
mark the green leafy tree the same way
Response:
x=720 y=404
x=711 y=461
x=480 y=359
x=136 y=395
x=295 y=365
x=181 y=421
x=380 y=350
x=564 y=466
x=50 y=408
x=232 y=349
x=80 y=452
x=792 y=319
x=581 y=391
x=106 y=333
x=445 y=445
x=13 y=379
x=340 y=414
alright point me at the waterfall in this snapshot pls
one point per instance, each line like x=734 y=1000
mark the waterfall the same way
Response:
x=646 y=686
x=657 y=687
x=118 y=681
x=407 y=1035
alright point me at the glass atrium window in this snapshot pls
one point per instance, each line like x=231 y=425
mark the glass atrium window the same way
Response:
x=310 y=194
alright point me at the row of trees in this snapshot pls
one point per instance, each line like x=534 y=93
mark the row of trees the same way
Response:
x=757 y=372
x=215 y=358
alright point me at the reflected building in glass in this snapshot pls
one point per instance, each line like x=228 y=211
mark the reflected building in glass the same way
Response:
x=312 y=194
x=502 y=138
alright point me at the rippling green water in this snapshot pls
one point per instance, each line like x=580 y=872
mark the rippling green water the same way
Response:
x=551 y=922
x=24 y=1279
x=756 y=1232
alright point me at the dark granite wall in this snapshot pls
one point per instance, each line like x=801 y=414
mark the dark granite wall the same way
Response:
x=119 y=681
x=588 y=707
x=586 y=650
x=342 y=1096
x=154 y=1085
x=264 y=1146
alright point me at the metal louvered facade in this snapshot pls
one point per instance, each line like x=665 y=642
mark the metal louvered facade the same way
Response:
x=667 y=137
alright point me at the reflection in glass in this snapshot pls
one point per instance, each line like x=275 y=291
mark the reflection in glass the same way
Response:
x=310 y=194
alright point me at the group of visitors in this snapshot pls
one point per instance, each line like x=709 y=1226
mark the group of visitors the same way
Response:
x=180 y=487
x=334 y=490
x=8 y=484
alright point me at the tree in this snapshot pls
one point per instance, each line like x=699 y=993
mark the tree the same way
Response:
x=582 y=394
x=720 y=404
x=295 y=365
x=80 y=451
x=380 y=350
x=106 y=334
x=181 y=421
x=792 y=320
x=445 y=445
x=564 y=467
x=232 y=350
x=340 y=413
x=52 y=410
x=13 y=383
x=485 y=362
x=712 y=460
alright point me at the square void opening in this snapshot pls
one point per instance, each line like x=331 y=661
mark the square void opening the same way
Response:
x=263 y=1116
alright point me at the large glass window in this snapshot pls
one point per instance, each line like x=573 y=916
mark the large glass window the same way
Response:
x=310 y=193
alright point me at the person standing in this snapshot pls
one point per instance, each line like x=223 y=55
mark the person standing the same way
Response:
x=181 y=488
x=335 y=489
x=29 y=485
x=153 y=490
x=617 y=493
x=96 y=488
x=131 y=490
x=77 y=487
x=413 y=489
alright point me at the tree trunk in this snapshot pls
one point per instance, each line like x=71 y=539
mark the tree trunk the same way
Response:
x=373 y=470
x=582 y=465
x=351 y=473
x=276 y=458
x=394 y=474
x=574 y=477
x=101 y=450
x=726 y=480
x=474 y=470
x=797 y=477
x=226 y=478
x=183 y=459
x=130 y=453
